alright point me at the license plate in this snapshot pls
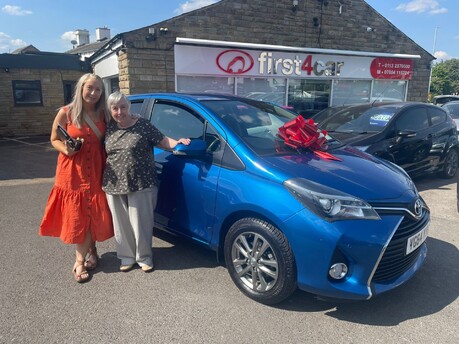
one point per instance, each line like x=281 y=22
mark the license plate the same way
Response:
x=417 y=239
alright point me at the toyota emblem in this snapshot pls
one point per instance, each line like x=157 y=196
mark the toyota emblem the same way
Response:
x=418 y=207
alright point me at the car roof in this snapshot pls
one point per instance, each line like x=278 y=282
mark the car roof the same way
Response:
x=397 y=105
x=194 y=96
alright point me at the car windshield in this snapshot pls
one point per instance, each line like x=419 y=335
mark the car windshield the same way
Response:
x=358 y=120
x=257 y=123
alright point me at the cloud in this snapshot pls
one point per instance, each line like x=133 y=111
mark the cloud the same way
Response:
x=15 y=10
x=68 y=36
x=8 y=44
x=442 y=55
x=421 y=6
x=193 y=5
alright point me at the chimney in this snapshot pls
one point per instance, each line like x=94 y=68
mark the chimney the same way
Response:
x=82 y=37
x=102 y=33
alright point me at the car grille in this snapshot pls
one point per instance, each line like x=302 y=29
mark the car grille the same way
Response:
x=394 y=261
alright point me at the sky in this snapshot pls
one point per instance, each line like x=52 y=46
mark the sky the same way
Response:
x=49 y=25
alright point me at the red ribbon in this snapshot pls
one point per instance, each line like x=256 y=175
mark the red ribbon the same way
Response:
x=301 y=133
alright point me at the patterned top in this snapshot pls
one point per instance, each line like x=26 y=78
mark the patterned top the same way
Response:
x=130 y=159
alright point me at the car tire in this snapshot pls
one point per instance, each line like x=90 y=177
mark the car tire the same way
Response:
x=451 y=163
x=260 y=261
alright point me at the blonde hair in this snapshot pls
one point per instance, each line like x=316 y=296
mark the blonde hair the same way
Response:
x=76 y=106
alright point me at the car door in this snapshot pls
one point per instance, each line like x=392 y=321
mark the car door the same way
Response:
x=412 y=151
x=188 y=186
x=441 y=133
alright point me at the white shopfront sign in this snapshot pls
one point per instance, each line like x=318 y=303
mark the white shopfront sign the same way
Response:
x=246 y=61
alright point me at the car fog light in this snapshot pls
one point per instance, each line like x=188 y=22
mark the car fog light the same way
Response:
x=338 y=271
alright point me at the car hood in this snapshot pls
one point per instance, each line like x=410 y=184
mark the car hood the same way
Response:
x=354 y=172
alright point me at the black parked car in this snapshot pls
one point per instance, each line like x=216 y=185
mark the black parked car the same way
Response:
x=420 y=137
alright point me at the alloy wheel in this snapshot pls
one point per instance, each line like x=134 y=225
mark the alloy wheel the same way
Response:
x=254 y=260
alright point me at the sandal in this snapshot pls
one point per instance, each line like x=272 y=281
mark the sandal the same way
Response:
x=91 y=261
x=79 y=272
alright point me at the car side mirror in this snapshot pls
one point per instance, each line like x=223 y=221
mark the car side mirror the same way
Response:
x=196 y=147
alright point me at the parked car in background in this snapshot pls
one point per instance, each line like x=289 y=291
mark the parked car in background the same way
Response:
x=439 y=100
x=347 y=225
x=452 y=108
x=419 y=137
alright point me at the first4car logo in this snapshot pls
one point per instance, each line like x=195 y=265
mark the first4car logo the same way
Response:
x=235 y=61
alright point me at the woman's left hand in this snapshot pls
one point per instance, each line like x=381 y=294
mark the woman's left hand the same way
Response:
x=184 y=141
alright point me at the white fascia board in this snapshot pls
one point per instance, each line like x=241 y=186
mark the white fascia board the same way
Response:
x=205 y=42
x=108 y=51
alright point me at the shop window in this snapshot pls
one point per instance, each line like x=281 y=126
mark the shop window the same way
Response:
x=205 y=84
x=27 y=93
x=69 y=89
x=267 y=89
x=346 y=92
x=388 y=90
x=308 y=97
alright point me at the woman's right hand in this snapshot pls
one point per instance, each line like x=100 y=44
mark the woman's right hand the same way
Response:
x=69 y=150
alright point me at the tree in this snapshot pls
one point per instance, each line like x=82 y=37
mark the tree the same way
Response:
x=445 y=78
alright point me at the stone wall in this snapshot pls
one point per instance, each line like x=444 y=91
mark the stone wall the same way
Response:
x=148 y=66
x=32 y=120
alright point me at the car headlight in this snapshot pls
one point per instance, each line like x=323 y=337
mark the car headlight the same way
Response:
x=328 y=203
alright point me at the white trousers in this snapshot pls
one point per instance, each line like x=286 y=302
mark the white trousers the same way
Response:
x=133 y=222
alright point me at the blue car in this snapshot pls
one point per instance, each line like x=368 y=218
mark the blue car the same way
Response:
x=350 y=226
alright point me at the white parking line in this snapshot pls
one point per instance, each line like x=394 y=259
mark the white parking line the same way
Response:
x=18 y=182
x=40 y=144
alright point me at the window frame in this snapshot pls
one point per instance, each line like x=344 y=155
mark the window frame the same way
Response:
x=27 y=85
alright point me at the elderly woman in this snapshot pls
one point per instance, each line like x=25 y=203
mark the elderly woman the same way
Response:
x=130 y=181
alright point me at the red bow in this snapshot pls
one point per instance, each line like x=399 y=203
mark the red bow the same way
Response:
x=301 y=133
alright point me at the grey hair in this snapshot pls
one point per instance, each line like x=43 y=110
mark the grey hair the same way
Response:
x=76 y=106
x=116 y=98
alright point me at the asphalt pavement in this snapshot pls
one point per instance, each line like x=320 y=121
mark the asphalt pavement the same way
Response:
x=190 y=298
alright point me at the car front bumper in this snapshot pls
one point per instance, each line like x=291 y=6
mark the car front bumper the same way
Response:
x=374 y=252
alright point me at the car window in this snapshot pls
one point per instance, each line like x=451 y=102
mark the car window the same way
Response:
x=437 y=116
x=452 y=109
x=359 y=119
x=412 y=119
x=136 y=106
x=256 y=123
x=176 y=121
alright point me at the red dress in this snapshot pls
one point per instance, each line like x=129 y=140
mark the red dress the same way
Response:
x=77 y=203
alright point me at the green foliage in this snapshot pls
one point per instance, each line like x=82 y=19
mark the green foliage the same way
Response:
x=445 y=78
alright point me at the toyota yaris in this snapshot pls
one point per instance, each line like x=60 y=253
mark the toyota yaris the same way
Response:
x=339 y=224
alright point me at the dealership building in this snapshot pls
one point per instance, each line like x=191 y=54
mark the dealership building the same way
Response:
x=304 y=54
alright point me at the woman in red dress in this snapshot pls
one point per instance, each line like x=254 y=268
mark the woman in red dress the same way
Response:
x=77 y=209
